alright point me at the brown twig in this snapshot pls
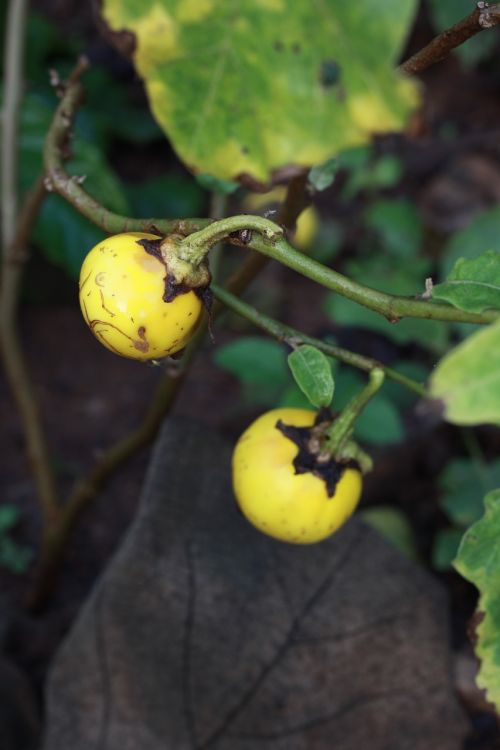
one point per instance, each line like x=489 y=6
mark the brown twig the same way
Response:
x=16 y=369
x=87 y=488
x=483 y=17
x=56 y=151
x=15 y=235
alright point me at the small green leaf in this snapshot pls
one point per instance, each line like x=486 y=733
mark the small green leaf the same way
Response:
x=217 y=185
x=398 y=225
x=445 y=548
x=467 y=380
x=9 y=517
x=322 y=176
x=174 y=194
x=13 y=557
x=478 y=561
x=473 y=284
x=294 y=398
x=313 y=374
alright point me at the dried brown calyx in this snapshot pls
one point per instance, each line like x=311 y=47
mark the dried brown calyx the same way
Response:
x=180 y=276
x=312 y=456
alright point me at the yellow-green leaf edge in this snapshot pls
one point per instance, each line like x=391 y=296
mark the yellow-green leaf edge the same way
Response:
x=236 y=86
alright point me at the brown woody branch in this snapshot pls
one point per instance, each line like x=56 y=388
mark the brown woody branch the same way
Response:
x=485 y=16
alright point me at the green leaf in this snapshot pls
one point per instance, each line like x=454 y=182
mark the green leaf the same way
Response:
x=398 y=394
x=463 y=484
x=111 y=112
x=394 y=526
x=372 y=174
x=313 y=374
x=259 y=364
x=247 y=89
x=13 y=557
x=176 y=195
x=379 y=423
x=9 y=517
x=483 y=233
x=294 y=398
x=216 y=185
x=478 y=561
x=62 y=233
x=445 y=548
x=467 y=380
x=473 y=285
x=322 y=176
x=398 y=225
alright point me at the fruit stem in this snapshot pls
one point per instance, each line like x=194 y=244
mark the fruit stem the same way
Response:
x=340 y=431
x=195 y=246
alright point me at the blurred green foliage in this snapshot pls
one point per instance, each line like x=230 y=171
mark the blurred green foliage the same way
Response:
x=463 y=484
x=13 y=557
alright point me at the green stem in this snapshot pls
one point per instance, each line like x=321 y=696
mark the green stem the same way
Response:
x=201 y=234
x=267 y=238
x=56 y=150
x=195 y=247
x=393 y=307
x=342 y=427
x=290 y=335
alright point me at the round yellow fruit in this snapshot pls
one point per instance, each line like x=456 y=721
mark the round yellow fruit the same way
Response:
x=291 y=507
x=121 y=298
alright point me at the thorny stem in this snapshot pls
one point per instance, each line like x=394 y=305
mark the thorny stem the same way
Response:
x=15 y=235
x=56 y=150
x=483 y=17
x=292 y=336
x=16 y=368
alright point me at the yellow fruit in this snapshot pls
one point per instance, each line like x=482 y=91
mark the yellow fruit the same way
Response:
x=121 y=290
x=292 y=507
x=307 y=223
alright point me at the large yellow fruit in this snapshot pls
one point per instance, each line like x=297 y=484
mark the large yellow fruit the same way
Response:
x=121 y=298
x=292 y=507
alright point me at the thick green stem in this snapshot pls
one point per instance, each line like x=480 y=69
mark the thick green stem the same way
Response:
x=293 y=336
x=195 y=247
x=393 y=307
x=340 y=431
x=268 y=238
